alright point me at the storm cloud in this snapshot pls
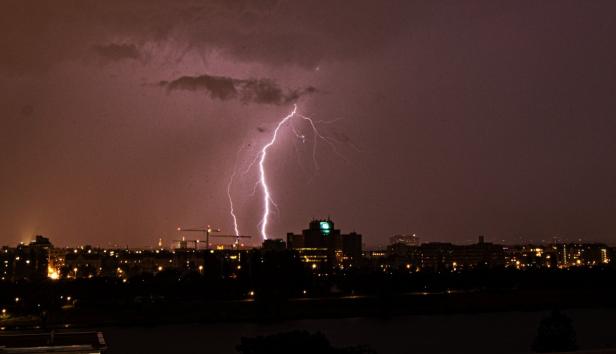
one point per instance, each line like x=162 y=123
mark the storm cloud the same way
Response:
x=262 y=91
x=268 y=32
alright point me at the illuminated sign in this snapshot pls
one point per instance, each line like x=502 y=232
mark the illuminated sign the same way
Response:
x=325 y=227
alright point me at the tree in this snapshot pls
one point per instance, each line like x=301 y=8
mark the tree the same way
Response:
x=555 y=334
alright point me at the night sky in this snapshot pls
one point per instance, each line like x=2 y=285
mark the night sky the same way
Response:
x=121 y=120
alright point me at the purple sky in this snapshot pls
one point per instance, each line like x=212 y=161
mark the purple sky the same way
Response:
x=121 y=120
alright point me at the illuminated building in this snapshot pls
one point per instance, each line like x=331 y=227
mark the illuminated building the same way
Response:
x=7 y=255
x=479 y=254
x=582 y=254
x=403 y=255
x=604 y=256
x=531 y=256
x=321 y=242
x=436 y=256
x=88 y=262
x=31 y=260
x=409 y=240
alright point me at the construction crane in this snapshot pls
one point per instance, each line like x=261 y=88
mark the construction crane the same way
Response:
x=207 y=232
x=185 y=244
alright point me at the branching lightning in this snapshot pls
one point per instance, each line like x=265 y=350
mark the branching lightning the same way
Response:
x=267 y=198
x=261 y=159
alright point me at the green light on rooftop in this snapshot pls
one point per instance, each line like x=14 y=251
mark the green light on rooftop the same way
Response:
x=325 y=227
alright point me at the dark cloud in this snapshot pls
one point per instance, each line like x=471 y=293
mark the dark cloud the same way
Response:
x=219 y=87
x=263 y=91
x=117 y=52
x=267 y=32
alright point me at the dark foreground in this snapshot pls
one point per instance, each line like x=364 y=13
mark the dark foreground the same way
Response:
x=498 y=332
x=275 y=309
x=470 y=312
x=448 y=322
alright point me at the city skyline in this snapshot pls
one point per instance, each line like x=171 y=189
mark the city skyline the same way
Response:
x=227 y=241
x=122 y=121
x=249 y=241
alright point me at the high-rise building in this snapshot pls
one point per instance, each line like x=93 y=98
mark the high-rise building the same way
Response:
x=321 y=242
x=31 y=260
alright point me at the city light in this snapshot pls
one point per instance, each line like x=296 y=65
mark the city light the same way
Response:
x=54 y=275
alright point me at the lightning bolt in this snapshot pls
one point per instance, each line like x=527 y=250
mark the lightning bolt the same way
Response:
x=229 y=185
x=231 y=208
x=261 y=159
x=267 y=197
